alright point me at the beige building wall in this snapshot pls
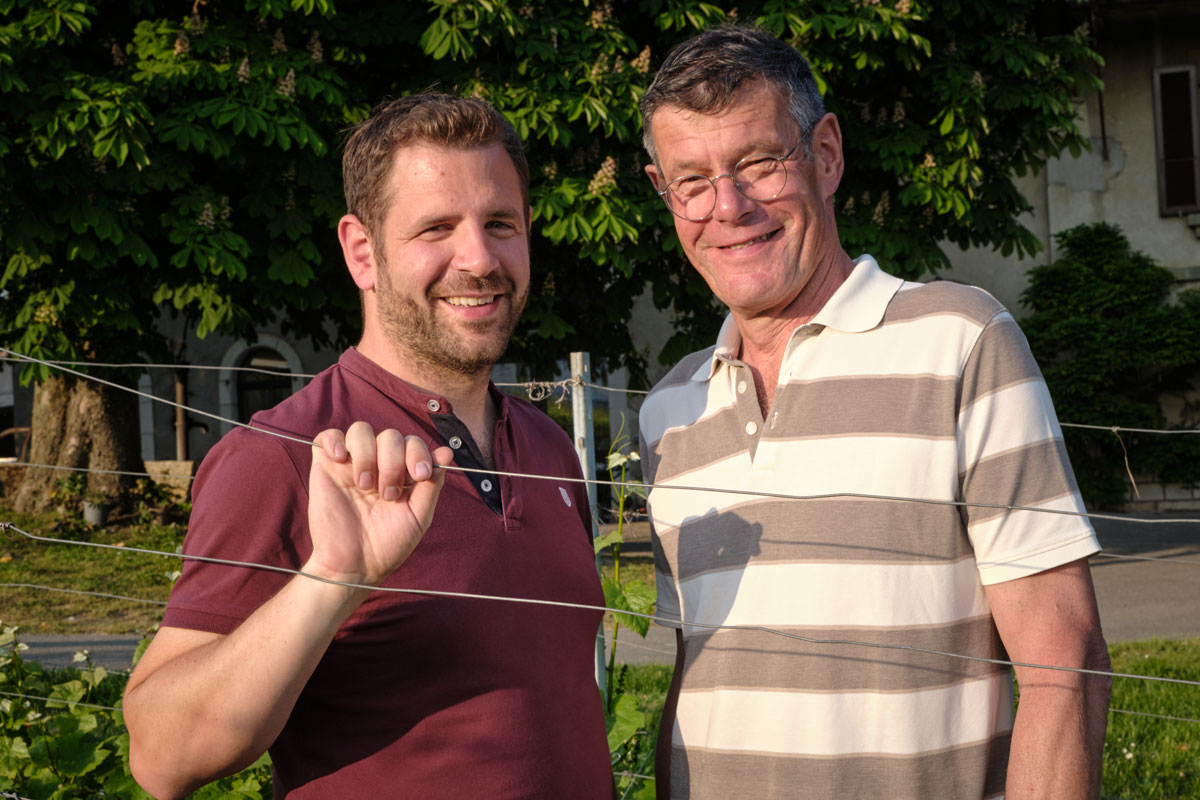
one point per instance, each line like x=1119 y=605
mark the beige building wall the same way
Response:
x=1117 y=181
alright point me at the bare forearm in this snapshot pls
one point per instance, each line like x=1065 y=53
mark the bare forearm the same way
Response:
x=1058 y=738
x=216 y=708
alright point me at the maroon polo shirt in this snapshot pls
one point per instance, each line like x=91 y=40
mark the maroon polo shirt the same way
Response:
x=420 y=696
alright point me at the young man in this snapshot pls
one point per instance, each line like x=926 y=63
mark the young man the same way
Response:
x=381 y=694
x=832 y=378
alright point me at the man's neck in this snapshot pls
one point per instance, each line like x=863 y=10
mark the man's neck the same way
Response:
x=765 y=336
x=468 y=394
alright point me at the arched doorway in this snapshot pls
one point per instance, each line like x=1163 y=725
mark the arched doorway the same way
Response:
x=246 y=391
x=260 y=390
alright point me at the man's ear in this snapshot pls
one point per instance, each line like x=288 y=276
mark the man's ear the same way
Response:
x=828 y=160
x=653 y=175
x=356 y=249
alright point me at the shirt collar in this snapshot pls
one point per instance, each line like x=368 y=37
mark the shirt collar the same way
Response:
x=860 y=302
x=404 y=393
x=857 y=306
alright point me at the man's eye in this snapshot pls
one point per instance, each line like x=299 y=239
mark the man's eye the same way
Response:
x=690 y=185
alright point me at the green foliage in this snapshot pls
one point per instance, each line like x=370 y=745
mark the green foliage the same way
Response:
x=67 y=495
x=631 y=731
x=62 y=734
x=1112 y=346
x=155 y=165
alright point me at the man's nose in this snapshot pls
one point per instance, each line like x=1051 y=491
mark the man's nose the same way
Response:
x=475 y=251
x=731 y=204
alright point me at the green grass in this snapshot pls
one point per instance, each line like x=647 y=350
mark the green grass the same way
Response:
x=1146 y=757
x=71 y=566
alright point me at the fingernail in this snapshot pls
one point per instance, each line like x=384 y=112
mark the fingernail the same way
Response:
x=391 y=493
x=339 y=450
x=422 y=471
x=366 y=480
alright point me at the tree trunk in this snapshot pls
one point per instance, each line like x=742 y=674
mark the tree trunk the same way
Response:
x=82 y=424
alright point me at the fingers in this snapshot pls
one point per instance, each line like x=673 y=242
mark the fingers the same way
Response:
x=360 y=441
x=332 y=443
x=404 y=459
x=417 y=459
x=423 y=498
x=393 y=471
x=385 y=463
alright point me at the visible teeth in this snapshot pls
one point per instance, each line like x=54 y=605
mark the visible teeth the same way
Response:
x=762 y=238
x=470 y=301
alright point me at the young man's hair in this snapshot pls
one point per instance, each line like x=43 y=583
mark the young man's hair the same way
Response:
x=436 y=119
x=703 y=73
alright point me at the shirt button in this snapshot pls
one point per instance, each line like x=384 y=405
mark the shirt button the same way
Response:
x=486 y=485
x=751 y=428
x=455 y=442
x=741 y=387
x=434 y=405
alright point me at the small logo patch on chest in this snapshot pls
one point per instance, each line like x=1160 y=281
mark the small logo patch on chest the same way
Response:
x=566 y=497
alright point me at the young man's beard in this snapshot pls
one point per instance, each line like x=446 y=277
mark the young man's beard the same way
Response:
x=413 y=329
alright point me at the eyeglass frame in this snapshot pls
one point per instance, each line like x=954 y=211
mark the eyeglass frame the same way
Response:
x=783 y=159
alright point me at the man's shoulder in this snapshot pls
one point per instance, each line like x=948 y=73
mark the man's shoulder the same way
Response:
x=666 y=402
x=278 y=435
x=308 y=411
x=940 y=298
x=682 y=373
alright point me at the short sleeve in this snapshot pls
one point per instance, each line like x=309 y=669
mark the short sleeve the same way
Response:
x=250 y=504
x=1011 y=453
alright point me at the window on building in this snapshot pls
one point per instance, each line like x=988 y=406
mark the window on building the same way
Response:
x=257 y=391
x=1177 y=129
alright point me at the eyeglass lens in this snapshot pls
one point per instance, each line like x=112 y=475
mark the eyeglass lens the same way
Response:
x=694 y=197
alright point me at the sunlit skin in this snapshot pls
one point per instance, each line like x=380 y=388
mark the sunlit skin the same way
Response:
x=774 y=263
x=447 y=274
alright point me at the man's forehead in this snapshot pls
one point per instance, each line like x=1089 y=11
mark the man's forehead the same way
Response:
x=748 y=124
x=424 y=173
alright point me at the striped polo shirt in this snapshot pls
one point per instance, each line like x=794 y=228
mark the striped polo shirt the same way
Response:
x=895 y=389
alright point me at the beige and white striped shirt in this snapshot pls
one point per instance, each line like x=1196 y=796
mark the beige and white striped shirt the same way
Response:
x=898 y=389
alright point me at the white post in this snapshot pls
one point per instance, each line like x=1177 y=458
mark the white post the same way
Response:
x=585 y=449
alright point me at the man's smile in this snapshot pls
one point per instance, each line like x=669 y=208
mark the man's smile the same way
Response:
x=470 y=301
x=765 y=237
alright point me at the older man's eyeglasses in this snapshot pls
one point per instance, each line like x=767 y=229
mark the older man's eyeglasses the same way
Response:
x=759 y=177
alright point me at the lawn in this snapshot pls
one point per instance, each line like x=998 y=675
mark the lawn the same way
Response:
x=1146 y=757
x=81 y=568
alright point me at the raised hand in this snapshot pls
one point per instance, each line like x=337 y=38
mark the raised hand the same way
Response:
x=371 y=499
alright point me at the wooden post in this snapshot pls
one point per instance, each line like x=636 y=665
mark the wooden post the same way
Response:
x=585 y=449
x=181 y=420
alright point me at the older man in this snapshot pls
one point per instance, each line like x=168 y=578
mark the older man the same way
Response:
x=832 y=378
x=360 y=693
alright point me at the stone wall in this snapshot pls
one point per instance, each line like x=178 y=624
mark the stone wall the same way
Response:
x=1154 y=496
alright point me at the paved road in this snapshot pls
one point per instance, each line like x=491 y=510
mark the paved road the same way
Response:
x=1138 y=599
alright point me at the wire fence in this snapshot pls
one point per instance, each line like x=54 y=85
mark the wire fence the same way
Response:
x=540 y=390
x=537 y=390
